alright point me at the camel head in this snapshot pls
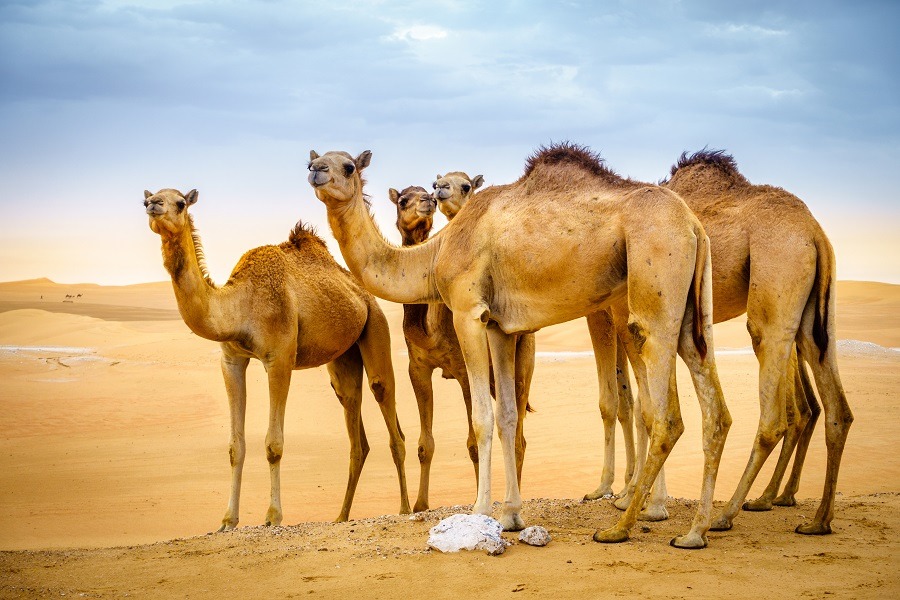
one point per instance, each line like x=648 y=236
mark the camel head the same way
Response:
x=167 y=210
x=453 y=190
x=336 y=176
x=415 y=212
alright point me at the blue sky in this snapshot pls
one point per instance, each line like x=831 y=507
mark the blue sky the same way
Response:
x=102 y=99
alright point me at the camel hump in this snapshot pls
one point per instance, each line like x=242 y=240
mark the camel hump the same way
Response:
x=569 y=153
x=707 y=157
x=303 y=233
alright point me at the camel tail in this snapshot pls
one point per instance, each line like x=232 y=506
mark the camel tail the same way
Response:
x=822 y=288
x=697 y=292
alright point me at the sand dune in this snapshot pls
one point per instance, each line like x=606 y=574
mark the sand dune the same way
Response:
x=116 y=427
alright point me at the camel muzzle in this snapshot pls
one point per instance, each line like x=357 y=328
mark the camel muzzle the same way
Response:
x=317 y=178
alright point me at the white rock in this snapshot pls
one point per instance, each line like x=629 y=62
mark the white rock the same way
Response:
x=535 y=536
x=468 y=532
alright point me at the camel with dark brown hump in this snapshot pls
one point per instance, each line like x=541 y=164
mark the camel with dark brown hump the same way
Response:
x=432 y=344
x=452 y=192
x=773 y=261
x=290 y=306
x=492 y=268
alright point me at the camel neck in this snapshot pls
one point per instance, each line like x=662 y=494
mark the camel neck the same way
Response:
x=197 y=297
x=404 y=275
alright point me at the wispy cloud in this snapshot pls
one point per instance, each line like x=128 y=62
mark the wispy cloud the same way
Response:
x=416 y=33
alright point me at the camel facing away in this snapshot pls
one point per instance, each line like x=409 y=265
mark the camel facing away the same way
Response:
x=290 y=306
x=492 y=268
x=772 y=260
x=452 y=192
x=432 y=344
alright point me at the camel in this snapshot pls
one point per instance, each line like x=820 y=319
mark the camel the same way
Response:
x=452 y=192
x=772 y=260
x=432 y=344
x=291 y=307
x=492 y=268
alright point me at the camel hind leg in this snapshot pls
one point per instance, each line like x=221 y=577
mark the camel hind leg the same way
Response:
x=346 y=381
x=524 y=370
x=788 y=495
x=604 y=341
x=375 y=346
x=798 y=418
x=838 y=416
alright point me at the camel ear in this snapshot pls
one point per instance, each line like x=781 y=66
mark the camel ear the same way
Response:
x=313 y=155
x=147 y=195
x=477 y=182
x=362 y=161
x=191 y=197
x=394 y=195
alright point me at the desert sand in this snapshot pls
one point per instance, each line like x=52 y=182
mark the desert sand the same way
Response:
x=114 y=468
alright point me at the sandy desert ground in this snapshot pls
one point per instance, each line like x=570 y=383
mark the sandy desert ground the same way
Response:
x=114 y=467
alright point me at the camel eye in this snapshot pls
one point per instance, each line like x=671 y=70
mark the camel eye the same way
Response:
x=403 y=203
x=434 y=185
x=349 y=168
x=181 y=204
x=466 y=187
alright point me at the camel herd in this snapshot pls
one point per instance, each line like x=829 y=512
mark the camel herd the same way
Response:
x=650 y=266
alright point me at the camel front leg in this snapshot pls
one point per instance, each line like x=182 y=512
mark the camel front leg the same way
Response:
x=603 y=339
x=626 y=409
x=420 y=377
x=279 y=375
x=346 y=381
x=503 y=352
x=234 y=371
x=470 y=329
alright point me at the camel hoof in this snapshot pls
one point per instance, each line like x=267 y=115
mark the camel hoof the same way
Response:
x=758 y=505
x=404 y=510
x=512 y=522
x=785 y=500
x=658 y=513
x=721 y=524
x=813 y=529
x=227 y=525
x=420 y=507
x=691 y=541
x=598 y=494
x=622 y=502
x=613 y=535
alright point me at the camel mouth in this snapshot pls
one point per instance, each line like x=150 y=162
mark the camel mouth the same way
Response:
x=155 y=210
x=318 y=178
x=426 y=211
x=442 y=193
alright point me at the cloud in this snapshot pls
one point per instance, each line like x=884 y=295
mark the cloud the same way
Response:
x=416 y=33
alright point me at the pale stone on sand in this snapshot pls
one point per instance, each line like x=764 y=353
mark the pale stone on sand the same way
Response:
x=468 y=532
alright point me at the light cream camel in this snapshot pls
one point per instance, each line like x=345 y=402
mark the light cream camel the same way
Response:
x=492 y=267
x=772 y=260
x=292 y=307
x=452 y=192
x=432 y=344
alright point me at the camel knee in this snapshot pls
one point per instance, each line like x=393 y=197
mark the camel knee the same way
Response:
x=768 y=438
x=472 y=446
x=274 y=451
x=426 y=450
x=378 y=389
x=236 y=452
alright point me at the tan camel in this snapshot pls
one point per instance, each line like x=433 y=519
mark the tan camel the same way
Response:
x=772 y=260
x=292 y=307
x=452 y=192
x=432 y=344
x=492 y=268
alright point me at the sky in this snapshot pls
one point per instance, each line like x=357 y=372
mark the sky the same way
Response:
x=102 y=99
